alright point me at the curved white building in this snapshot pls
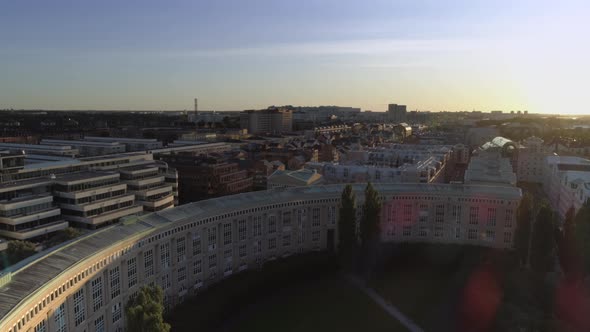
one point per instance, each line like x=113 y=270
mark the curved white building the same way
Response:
x=84 y=285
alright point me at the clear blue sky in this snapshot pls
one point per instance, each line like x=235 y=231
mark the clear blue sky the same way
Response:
x=429 y=54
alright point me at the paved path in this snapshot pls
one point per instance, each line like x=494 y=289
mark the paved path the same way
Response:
x=388 y=307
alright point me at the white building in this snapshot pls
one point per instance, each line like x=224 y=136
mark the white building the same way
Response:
x=488 y=167
x=85 y=285
x=566 y=183
x=531 y=158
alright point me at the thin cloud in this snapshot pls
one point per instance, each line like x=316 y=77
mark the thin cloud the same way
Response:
x=355 y=47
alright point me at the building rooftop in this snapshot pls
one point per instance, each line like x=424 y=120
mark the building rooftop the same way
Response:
x=33 y=273
x=84 y=176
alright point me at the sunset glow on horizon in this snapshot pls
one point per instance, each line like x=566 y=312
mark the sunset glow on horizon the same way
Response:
x=234 y=55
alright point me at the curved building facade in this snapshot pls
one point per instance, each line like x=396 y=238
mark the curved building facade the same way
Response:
x=84 y=285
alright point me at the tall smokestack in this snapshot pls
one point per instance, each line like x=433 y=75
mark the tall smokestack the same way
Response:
x=196 y=107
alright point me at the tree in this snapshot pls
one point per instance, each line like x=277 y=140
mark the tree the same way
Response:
x=543 y=241
x=523 y=228
x=582 y=236
x=144 y=311
x=369 y=227
x=567 y=245
x=347 y=239
x=19 y=250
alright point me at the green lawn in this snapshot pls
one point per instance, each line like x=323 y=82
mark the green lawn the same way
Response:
x=323 y=305
x=425 y=282
x=300 y=293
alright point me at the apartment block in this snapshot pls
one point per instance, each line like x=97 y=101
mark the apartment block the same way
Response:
x=28 y=210
x=94 y=199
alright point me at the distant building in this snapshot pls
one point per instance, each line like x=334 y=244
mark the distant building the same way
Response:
x=267 y=121
x=87 y=148
x=202 y=177
x=566 y=183
x=131 y=144
x=298 y=178
x=397 y=113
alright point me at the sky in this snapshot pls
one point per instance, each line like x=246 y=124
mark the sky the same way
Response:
x=242 y=54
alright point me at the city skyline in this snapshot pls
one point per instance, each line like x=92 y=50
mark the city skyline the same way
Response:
x=433 y=56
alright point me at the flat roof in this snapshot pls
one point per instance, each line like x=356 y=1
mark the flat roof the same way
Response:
x=121 y=139
x=83 y=176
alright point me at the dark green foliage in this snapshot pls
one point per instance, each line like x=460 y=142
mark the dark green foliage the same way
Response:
x=370 y=228
x=567 y=245
x=523 y=228
x=63 y=236
x=371 y=211
x=347 y=238
x=543 y=241
x=19 y=250
x=582 y=236
x=144 y=312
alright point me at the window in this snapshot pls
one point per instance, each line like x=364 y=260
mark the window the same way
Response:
x=116 y=312
x=180 y=249
x=272 y=243
x=79 y=307
x=228 y=254
x=301 y=237
x=315 y=217
x=286 y=218
x=457 y=213
x=165 y=281
x=272 y=224
x=407 y=212
x=115 y=282
x=508 y=222
x=458 y=233
x=507 y=237
x=315 y=236
x=227 y=234
x=407 y=231
x=212 y=261
x=258 y=246
x=212 y=237
x=257 y=226
x=197 y=266
x=490 y=235
x=181 y=273
x=97 y=293
x=132 y=271
x=41 y=327
x=472 y=235
x=165 y=255
x=332 y=215
x=59 y=316
x=286 y=240
x=148 y=262
x=439 y=214
x=99 y=324
x=423 y=231
x=242 y=250
x=242 y=230
x=491 y=217
x=196 y=244
x=473 y=212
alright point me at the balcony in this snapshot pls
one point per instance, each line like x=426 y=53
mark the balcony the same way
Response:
x=109 y=216
x=23 y=218
x=35 y=231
